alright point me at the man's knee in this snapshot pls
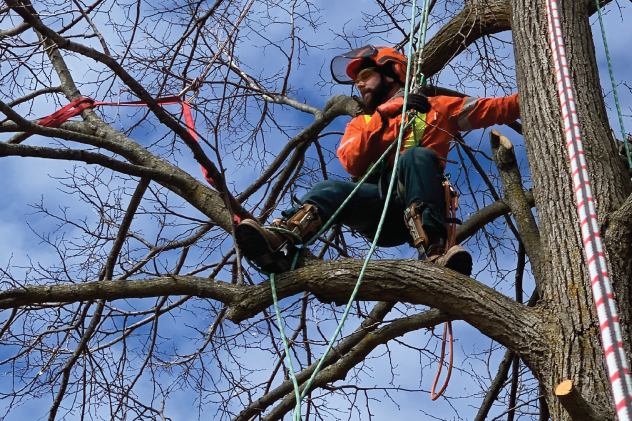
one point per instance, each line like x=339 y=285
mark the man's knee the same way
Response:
x=418 y=156
x=329 y=189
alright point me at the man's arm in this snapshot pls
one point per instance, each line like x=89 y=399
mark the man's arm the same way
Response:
x=367 y=137
x=478 y=113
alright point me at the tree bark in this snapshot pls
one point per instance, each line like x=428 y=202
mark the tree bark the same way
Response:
x=575 y=349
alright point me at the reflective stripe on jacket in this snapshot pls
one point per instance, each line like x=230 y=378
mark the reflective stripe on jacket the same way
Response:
x=367 y=137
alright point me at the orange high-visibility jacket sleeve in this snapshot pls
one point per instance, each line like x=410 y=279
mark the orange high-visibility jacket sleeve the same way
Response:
x=366 y=138
x=477 y=113
x=365 y=141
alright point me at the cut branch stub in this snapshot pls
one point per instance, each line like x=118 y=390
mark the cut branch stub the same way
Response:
x=577 y=406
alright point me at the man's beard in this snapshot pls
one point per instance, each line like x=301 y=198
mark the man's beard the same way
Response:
x=379 y=96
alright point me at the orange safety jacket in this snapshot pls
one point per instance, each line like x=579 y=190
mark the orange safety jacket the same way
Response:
x=367 y=137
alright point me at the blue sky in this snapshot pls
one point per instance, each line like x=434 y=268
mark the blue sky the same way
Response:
x=30 y=181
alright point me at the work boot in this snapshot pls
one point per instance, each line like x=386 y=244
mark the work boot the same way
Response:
x=269 y=250
x=456 y=258
x=273 y=251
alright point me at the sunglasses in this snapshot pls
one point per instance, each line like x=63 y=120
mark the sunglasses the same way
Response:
x=365 y=74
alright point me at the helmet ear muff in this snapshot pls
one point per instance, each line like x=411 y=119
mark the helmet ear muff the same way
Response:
x=400 y=70
x=388 y=70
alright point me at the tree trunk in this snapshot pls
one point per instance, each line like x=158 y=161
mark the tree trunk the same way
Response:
x=575 y=346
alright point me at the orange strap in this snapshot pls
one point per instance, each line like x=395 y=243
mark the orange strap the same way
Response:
x=447 y=328
x=452 y=204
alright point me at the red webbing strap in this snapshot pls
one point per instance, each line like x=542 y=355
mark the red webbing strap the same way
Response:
x=70 y=110
x=188 y=119
x=78 y=105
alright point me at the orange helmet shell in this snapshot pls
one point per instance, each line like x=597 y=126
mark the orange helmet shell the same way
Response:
x=356 y=60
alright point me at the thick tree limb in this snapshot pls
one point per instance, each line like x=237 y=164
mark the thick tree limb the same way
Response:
x=415 y=282
x=114 y=290
x=411 y=281
x=476 y=20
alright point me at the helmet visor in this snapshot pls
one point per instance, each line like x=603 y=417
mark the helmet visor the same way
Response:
x=345 y=67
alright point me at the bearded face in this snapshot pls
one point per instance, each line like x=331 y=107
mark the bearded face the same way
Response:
x=376 y=90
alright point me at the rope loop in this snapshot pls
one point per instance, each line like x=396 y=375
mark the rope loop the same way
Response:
x=294 y=235
x=447 y=328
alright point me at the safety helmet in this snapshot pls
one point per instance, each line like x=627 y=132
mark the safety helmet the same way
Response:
x=345 y=67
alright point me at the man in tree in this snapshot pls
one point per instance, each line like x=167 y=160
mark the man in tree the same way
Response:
x=379 y=73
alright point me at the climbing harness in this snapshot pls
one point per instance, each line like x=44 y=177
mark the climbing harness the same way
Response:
x=614 y=87
x=616 y=359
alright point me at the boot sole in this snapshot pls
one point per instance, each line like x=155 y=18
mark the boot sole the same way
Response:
x=253 y=245
x=460 y=261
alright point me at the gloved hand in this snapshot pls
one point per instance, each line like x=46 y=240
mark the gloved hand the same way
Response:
x=391 y=108
x=418 y=102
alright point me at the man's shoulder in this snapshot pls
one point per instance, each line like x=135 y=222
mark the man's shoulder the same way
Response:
x=359 y=120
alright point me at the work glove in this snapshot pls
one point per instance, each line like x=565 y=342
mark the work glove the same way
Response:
x=418 y=102
x=391 y=108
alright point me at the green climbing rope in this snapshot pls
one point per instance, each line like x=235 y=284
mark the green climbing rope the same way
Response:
x=272 y=283
x=404 y=125
x=614 y=85
x=273 y=286
x=419 y=78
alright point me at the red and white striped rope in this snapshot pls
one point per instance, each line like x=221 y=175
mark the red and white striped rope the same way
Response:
x=602 y=293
